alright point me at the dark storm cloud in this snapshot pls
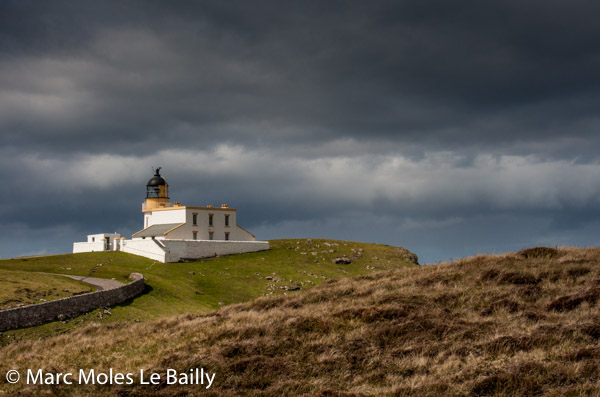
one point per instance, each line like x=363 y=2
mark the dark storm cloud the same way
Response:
x=412 y=119
x=434 y=73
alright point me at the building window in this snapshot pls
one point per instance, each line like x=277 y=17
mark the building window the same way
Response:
x=226 y=220
x=195 y=235
x=210 y=219
x=210 y=235
x=93 y=239
x=226 y=236
x=195 y=219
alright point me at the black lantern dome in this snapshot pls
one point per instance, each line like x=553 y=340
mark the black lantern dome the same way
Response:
x=157 y=186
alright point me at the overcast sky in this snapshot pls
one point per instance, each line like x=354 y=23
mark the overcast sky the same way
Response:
x=450 y=128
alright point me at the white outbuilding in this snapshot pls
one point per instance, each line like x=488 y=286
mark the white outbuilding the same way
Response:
x=173 y=232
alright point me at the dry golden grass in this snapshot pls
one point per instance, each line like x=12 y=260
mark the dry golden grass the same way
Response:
x=524 y=323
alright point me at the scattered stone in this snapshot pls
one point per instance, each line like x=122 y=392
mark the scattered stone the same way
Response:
x=411 y=257
x=303 y=253
x=314 y=253
x=221 y=303
x=68 y=268
x=269 y=278
x=136 y=320
x=342 y=260
x=61 y=317
x=192 y=273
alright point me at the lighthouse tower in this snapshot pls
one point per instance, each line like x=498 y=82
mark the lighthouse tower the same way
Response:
x=157 y=192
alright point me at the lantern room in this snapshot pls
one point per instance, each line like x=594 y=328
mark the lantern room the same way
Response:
x=157 y=192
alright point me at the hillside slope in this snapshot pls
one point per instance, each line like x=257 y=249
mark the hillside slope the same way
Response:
x=523 y=323
x=200 y=287
x=19 y=288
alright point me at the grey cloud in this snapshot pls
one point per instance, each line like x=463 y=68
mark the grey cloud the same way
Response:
x=467 y=74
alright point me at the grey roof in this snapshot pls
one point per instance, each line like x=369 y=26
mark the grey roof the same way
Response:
x=157 y=230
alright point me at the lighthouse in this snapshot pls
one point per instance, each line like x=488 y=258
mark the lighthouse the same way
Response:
x=173 y=232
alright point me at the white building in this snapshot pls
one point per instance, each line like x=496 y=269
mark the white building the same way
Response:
x=174 y=232
x=99 y=242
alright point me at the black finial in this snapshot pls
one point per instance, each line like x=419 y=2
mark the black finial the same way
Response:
x=157 y=172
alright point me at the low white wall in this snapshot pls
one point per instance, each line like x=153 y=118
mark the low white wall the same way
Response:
x=194 y=249
x=145 y=247
x=88 y=247
x=167 y=251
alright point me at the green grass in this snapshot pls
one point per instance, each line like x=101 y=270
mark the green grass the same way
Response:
x=200 y=287
x=19 y=288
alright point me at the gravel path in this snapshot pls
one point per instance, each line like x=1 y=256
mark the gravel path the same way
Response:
x=99 y=283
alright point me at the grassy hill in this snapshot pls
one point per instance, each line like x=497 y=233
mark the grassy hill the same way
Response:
x=201 y=287
x=524 y=323
x=25 y=288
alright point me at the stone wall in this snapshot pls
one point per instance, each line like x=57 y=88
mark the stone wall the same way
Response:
x=27 y=316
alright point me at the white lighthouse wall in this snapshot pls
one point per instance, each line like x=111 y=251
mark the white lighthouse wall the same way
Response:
x=190 y=249
x=166 y=216
x=202 y=227
x=148 y=248
x=88 y=247
x=242 y=234
x=97 y=242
